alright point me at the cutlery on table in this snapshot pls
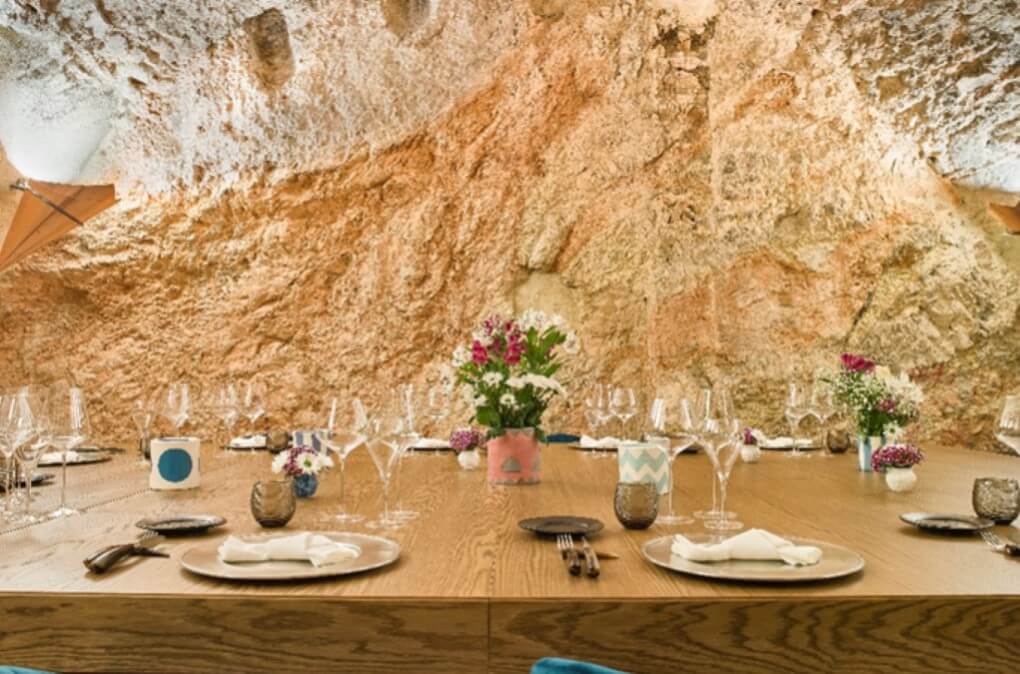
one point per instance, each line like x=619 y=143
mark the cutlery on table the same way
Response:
x=591 y=560
x=105 y=559
x=999 y=545
x=565 y=544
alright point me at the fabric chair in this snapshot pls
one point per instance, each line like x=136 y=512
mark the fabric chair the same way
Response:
x=7 y=669
x=562 y=666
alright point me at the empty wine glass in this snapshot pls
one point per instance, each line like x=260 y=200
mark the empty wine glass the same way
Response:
x=69 y=428
x=16 y=428
x=596 y=412
x=713 y=406
x=143 y=414
x=438 y=405
x=723 y=450
x=623 y=406
x=225 y=403
x=342 y=434
x=33 y=415
x=823 y=408
x=176 y=405
x=385 y=433
x=798 y=408
x=661 y=420
x=253 y=402
x=1007 y=428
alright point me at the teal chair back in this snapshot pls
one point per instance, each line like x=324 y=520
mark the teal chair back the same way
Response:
x=562 y=666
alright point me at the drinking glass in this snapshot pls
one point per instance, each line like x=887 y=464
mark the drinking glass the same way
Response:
x=408 y=438
x=273 y=503
x=636 y=504
x=8 y=411
x=1007 y=429
x=33 y=414
x=723 y=449
x=623 y=406
x=823 y=408
x=712 y=406
x=69 y=428
x=596 y=413
x=661 y=420
x=438 y=405
x=143 y=414
x=385 y=433
x=225 y=403
x=996 y=499
x=176 y=404
x=17 y=427
x=343 y=434
x=798 y=408
x=253 y=402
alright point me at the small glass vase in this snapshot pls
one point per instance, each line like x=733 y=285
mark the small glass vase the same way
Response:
x=866 y=448
x=273 y=503
x=306 y=485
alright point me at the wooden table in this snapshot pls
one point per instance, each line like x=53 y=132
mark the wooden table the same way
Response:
x=473 y=593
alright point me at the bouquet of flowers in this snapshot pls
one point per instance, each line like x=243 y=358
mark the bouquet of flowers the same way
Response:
x=881 y=403
x=508 y=372
x=298 y=461
x=466 y=439
x=896 y=456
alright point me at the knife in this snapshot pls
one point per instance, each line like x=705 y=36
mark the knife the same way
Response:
x=105 y=559
x=591 y=560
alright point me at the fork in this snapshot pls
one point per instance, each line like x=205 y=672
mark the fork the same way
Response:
x=565 y=544
x=999 y=545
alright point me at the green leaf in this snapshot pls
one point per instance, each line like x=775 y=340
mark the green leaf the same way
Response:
x=487 y=416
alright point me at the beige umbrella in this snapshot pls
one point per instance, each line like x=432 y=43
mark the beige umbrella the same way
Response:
x=46 y=212
x=1009 y=215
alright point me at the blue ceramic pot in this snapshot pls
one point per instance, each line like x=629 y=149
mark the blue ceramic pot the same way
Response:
x=305 y=485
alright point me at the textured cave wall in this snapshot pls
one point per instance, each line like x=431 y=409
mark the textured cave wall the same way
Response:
x=706 y=191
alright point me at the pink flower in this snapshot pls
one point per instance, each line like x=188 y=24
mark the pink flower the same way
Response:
x=749 y=438
x=896 y=456
x=888 y=405
x=479 y=355
x=855 y=363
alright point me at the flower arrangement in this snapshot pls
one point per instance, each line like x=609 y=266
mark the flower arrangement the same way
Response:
x=298 y=461
x=881 y=403
x=466 y=439
x=896 y=456
x=508 y=372
x=748 y=436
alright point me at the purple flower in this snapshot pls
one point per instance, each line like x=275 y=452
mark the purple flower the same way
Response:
x=749 y=438
x=896 y=456
x=465 y=439
x=854 y=363
x=479 y=354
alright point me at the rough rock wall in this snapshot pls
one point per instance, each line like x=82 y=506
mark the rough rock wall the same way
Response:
x=705 y=192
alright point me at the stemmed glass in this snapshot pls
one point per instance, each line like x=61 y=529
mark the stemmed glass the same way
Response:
x=712 y=405
x=16 y=428
x=253 y=402
x=798 y=408
x=623 y=406
x=385 y=444
x=1007 y=428
x=31 y=414
x=226 y=405
x=342 y=436
x=438 y=405
x=660 y=420
x=408 y=439
x=176 y=405
x=823 y=408
x=596 y=413
x=723 y=449
x=143 y=414
x=69 y=428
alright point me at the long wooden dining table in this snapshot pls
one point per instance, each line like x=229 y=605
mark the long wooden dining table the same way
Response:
x=472 y=592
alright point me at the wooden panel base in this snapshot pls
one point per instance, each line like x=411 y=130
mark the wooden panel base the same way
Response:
x=811 y=636
x=134 y=634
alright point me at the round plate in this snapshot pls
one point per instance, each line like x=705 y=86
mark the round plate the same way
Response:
x=376 y=552
x=79 y=460
x=181 y=525
x=836 y=562
x=788 y=448
x=947 y=523
x=562 y=524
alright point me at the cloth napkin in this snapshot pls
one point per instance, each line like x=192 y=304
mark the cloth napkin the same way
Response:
x=57 y=457
x=432 y=443
x=756 y=544
x=601 y=443
x=781 y=442
x=306 y=546
x=249 y=442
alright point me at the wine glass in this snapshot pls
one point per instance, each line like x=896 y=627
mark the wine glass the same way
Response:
x=69 y=428
x=823 y=408
x=176 y=405
x=15 y=429
x=596 y=413
x=723 y=450
x=31 y=414
x=385 y=433
x=1007 y=428
x=143 y=414
x=438 y=405
x=408 y=439
x=253 y=402
x=343 y=434
x=660 y=420
x=798 y=408
x=225 y=403
x=623 y=406
x=712 y=406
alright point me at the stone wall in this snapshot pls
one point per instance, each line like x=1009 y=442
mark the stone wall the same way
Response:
x=706 y=191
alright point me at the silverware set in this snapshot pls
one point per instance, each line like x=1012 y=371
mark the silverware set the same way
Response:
x=105 y=559
x=573 y=556
x=999 y=545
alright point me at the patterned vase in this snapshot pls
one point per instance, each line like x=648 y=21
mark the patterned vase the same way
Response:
x=515 y=457
x=866 y=447
x=644 y=462
x=305 y=485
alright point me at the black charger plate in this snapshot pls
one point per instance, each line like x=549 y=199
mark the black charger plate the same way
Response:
x=181 y=525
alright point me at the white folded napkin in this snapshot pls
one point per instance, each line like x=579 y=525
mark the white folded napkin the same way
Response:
x=306 y=546
x=249 y=442
x=782 y=442
x=57 y=457
x=432 y=443
x=756 y=544
x=601 y=443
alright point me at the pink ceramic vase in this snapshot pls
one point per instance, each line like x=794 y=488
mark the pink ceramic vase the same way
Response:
x=515 y=457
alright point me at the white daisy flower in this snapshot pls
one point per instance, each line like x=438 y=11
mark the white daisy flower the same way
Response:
x=508 y=400
x=492 y=378
x=461 y=356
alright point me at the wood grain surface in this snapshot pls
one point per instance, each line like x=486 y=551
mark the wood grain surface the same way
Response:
x=472 y=592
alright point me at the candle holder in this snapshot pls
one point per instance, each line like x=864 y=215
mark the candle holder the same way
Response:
x=996 y=499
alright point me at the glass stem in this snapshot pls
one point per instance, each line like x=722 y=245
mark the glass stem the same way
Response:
x=28 y=485
x=63 y=479
x=793 y=437
x=672 y=485
x=8 y=484
x=343 y=463
x=386 y=502
x=722 y=498
x=396 y=480
x=715 y=502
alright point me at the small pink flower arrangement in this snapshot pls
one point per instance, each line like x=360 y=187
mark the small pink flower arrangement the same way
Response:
x=896 y=456
x=466 y=439
x=749 y=438
x=298 y=461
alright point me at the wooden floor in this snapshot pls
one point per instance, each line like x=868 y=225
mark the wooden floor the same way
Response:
x=473 y=593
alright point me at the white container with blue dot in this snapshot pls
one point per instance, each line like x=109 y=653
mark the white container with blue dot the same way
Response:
x=175 y=463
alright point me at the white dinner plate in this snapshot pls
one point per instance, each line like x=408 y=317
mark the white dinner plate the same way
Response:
x=836 y=562
x=376 y=552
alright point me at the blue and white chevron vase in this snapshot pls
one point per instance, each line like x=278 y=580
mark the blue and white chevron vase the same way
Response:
x=643 y=462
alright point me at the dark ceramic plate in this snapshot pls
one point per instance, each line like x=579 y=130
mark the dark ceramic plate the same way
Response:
x=947 y=524
x=561 y=524
x=181 y=525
